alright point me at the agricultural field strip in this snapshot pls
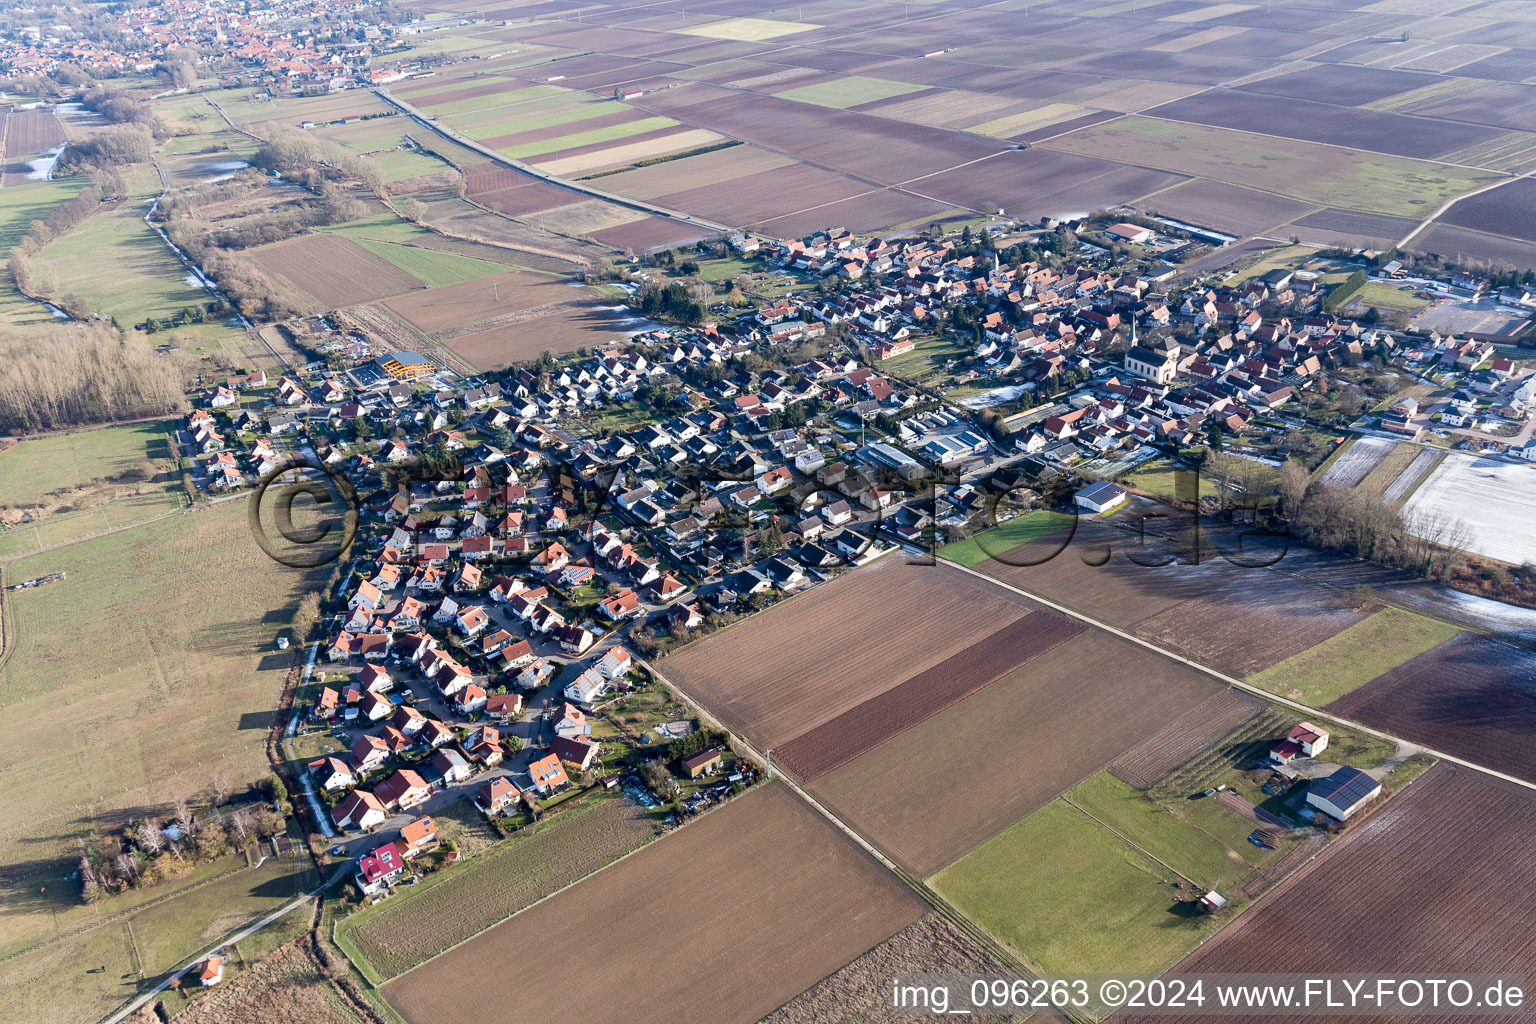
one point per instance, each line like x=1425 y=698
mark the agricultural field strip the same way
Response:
x=899 y=186
x=865 y=726
x=1004 y=953
x=1240 y=684
x=1506 y=179
x=529 y=169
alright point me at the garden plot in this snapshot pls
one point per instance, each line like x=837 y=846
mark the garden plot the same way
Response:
x=1355 y=463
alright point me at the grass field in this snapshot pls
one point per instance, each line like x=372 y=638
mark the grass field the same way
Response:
x=1328 y=176
x=546 y=114
x=849 y=92
x=432 y=267
x=500 y=105
x=20 y=205
x=70 y=486
x=119 y=266
x=1176 y=841
x=590 y=137
x=925 y=363
x=1369 y=648
x=1382 y=295
x=1003 y=537
x=459 y=903
x=1388 y=469
x=32 y=470
x=748 y=30
x=1092 y=903
x=153 y=936
x=146 y=670
x=1161 y=479
x=1286 y=256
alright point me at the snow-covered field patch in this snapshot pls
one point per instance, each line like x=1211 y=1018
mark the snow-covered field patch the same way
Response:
x=1495 y=499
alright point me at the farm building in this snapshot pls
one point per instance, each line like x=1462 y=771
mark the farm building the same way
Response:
x=1133 y=233
x=212 y=972
x=1100 y=497
x=1306 y=740
x=702 y=763
x=1212 y=902
x=1343 y=793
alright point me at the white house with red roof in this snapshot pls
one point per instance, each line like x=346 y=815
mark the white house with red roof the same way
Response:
x=375 y=870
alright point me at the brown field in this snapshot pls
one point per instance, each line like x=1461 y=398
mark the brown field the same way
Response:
x=1499 y=250
x=1237 y=620
x=1472 y=696
x=1441 y=880
x=468 y=303
x=1504 y=104
x=1397 y=134
x=762 y=881
x=650 y=234
x=1349 y=85
x=288 y=986
x=840 y=139
x=1120 y=592
x=1326 y=227
x=862 y=728
x=784 y=672
x=28 y=134
x=490 y=176
x=510 y=317
x=1241 y=211
x=720 y=167
x=31 y=132
x=318 y=109
x=760 y=197
x=946 y=108
x=430 y=97
x=525 y=199
x=1507 y=210
x=861 y=991
x=1038 y=181
x=868 y=212
x=583 y=218
x=556 y=131
x=1067 y=126
x=333 y=271
x=946 y=786
x=1193 y=732
x=1241 y=621
x=604 y=156
x=1511 y=66
x=535 y=863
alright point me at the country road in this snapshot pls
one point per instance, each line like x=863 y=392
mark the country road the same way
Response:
x=229 y=940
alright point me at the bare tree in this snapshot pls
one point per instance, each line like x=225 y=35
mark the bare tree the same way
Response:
x=219 y=788
x=151 y=839
x=127 y=867
x=240 y=825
